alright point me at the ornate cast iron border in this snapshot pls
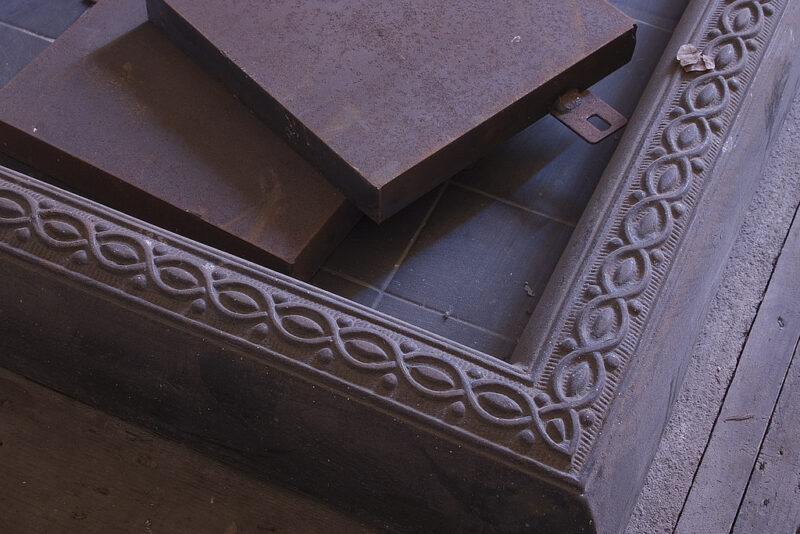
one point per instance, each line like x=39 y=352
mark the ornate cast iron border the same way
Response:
x=548 y=419
x=595 y=338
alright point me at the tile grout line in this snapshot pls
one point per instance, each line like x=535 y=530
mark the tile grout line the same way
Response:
x=513 y=204
x=456 y=319
x=411 y=243
x=349 y=278
x=383 y=289
x=26 y=32
x=654 y=24
x=453 y=318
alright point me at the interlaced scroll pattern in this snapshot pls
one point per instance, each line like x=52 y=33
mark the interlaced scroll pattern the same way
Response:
x=597 y=341
x=551 y=420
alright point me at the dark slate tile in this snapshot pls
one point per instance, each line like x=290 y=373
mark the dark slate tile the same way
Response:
x=548 y=168
x=662 y=13
x=43 y=17
x=371 y=251
x=17 y=49
x=474 y=257
x=624 y=87
x=344 y=288
x=451 y=328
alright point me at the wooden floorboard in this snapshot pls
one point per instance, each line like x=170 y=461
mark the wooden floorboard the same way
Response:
x=65 y=467
x=772 y=502
x=741 y=424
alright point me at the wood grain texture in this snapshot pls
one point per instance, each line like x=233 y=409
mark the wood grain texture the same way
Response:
x=772 y=501
x=735 y=441
x=65 y=467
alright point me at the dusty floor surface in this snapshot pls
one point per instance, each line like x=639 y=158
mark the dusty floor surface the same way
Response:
x=723 y=335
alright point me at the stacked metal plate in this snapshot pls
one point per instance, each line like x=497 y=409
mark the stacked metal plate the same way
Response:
x=388 y=99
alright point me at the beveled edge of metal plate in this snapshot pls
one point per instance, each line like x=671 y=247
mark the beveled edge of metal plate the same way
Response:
x=380 y=197
x=543 y=415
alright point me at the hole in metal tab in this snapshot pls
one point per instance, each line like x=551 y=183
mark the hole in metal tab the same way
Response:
x=587 y=115
x=599 y=122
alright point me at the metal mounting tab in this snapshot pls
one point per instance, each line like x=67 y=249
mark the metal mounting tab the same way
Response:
x=587 y=115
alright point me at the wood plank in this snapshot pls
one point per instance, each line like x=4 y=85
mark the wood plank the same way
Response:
x=65 y=467
x=739 y=430
x=117 y=111
x=772 y=501
x=389 y=99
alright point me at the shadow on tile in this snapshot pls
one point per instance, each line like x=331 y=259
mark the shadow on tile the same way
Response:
x=482 y=261
x=549 y=169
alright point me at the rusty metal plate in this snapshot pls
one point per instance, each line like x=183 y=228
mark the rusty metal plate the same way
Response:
x=391 y=98
x=116 y=110
x=587 y=115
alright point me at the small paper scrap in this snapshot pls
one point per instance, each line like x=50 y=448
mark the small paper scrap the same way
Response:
x=692 y=60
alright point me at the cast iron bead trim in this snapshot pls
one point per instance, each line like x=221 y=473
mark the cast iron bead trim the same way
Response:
x=282 y=319
x=552 y=420
x=624 y=279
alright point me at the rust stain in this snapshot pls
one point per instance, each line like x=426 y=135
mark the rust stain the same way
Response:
x=127 y=68
x=343 y=118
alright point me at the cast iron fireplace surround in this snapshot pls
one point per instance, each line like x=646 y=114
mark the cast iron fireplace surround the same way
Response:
x=386 y=419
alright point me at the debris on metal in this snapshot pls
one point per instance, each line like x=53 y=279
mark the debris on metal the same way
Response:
x=692 y=60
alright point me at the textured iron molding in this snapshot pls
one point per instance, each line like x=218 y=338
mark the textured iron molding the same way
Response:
x=597 y=333
x=543 y=416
